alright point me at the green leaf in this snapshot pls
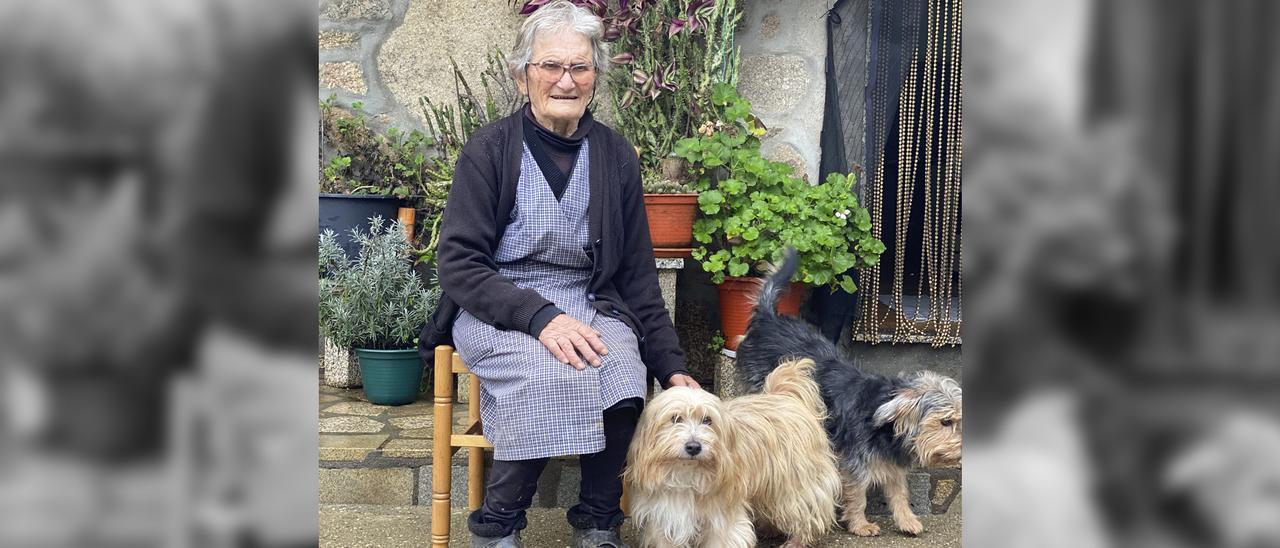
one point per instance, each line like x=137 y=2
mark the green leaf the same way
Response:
x=710 y=201
x=737 y=111
x=737 y=268
x=733 y=186
x=722 y=94
x=684 y=147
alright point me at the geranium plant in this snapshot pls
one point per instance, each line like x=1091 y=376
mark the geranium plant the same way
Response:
x=753 y=208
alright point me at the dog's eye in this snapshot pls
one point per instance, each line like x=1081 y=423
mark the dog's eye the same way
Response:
x=947 y=423
x=706 y=420
x=677 y=419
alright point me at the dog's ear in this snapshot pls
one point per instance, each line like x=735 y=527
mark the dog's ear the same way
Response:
x=647 y=456
x=925 y=389
x=727 y=470
x=726 y=430
x=902 y=410
x=643 y=455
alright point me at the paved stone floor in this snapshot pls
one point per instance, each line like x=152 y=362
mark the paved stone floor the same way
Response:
x=374 y=526
x=354 y=430
x=383 y=442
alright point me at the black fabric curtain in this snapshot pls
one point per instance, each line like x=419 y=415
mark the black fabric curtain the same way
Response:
x=894 y=27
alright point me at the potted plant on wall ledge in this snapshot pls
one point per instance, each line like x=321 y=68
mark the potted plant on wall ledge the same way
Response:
x=671 y=205
x=753 y=208
x=376 y=304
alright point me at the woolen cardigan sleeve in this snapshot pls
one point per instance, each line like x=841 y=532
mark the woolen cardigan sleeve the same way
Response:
x=637 y=279
x=469 y=234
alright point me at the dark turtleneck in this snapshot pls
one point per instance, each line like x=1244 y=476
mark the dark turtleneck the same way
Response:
x=555 y=154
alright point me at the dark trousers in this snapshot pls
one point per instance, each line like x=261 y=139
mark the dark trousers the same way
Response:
x=512 y=484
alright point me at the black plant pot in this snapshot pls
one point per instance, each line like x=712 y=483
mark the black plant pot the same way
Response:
x=341 y=213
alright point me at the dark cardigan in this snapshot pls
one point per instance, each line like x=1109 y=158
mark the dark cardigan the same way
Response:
x=624 y=281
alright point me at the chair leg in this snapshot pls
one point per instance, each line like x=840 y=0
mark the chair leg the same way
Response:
x=442 y=452
x=475 y=457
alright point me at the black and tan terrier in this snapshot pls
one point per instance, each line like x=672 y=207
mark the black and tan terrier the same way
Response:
x=879 y=426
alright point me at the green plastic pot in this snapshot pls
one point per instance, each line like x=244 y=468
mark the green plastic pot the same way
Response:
x=391 y=377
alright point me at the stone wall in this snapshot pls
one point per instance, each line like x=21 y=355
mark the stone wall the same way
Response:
x=784 y=48
x=388 y=53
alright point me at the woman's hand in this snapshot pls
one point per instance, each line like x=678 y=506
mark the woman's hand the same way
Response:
x=680 y=379
x=572 y=341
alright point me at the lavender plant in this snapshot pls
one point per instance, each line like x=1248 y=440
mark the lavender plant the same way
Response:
x=376 y=300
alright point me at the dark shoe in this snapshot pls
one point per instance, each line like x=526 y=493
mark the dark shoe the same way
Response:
x=598 y=538
x=509 y=541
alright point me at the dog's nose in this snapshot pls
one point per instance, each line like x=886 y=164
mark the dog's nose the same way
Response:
x=693 y=448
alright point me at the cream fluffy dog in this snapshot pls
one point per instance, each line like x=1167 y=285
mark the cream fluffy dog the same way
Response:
x=701 y=469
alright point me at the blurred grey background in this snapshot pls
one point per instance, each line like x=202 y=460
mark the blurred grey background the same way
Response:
x=157 y=294
x=1122 y=359
x=157 y=297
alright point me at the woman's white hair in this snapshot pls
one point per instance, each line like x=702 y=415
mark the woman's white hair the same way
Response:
x=556 y=16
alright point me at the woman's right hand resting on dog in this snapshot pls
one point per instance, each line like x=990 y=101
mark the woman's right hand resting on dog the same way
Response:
x=572 y=341
x=680 y=379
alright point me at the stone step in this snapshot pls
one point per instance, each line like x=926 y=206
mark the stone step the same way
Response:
x=411 y=485
x=385 y=526
x=558 y=487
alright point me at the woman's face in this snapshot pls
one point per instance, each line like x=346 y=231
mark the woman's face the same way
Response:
x=556 y=95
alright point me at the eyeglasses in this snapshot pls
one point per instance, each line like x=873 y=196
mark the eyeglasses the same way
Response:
x=552 y=71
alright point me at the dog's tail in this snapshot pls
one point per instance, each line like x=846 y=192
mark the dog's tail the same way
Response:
x=777 y=282
x=795 y=378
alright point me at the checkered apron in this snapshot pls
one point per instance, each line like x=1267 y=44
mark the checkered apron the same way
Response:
x=532 y=405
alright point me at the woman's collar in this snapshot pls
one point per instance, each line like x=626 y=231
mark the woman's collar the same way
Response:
x=585 y=124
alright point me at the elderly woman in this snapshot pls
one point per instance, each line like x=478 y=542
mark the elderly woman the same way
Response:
x=545 y=248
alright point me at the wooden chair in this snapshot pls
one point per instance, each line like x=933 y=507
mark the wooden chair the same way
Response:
x=447 y=362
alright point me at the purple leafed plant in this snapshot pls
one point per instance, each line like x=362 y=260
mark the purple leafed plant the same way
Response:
x=597 y=7
x=695 y=17
x=531 y=6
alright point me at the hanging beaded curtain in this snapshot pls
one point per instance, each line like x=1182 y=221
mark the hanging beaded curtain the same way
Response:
x=923 y=164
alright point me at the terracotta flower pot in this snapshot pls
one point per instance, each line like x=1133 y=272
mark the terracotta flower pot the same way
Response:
x=671 y=219
x=737 y=298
